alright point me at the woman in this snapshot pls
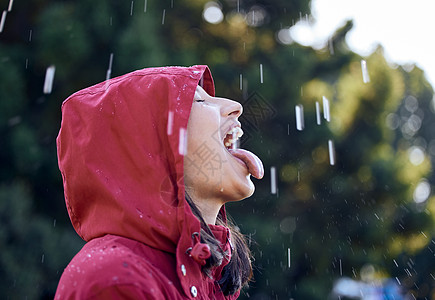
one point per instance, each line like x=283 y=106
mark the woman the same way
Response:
x=148 y=162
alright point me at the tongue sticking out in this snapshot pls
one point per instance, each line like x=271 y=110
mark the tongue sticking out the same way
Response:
x=254 y=164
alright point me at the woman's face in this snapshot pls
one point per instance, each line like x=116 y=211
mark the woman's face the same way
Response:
x=210 y=170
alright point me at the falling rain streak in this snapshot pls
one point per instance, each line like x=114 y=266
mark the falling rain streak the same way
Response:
x=273 y=188
x=318 y=118
x=289 y=260
x=341 y=269
x=145 y=7
x=234 y=145
x=331 y=152
x=2 y=22
x=131 y=8
x=182 y=142
x=365 y=73
x=163 y=16
x=326 y=114
x=261 y=73
x=299 y=110
x=11 y=2
x=170 y=122
x=241 y=82
x=49 y=77
x=109 y=70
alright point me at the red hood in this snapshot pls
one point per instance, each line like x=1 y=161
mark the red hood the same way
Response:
x=120 y=162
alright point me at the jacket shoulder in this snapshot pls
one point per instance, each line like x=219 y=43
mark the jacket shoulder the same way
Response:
x=115 y=268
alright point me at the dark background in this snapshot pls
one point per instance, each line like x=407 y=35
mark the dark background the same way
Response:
x=364 y=218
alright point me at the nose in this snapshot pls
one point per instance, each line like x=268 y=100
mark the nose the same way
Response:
x=231 y=108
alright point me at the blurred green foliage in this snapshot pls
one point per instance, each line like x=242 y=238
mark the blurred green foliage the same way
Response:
x=336 y=220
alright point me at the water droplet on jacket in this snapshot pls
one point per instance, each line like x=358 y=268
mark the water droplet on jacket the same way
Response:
x=139 y=213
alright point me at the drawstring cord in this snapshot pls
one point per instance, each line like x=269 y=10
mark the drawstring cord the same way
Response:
x=199 y=252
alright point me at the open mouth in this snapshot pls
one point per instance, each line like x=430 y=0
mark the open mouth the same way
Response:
x=232 y=138
x=252 y=162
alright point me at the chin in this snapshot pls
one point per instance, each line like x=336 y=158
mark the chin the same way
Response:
x=240 y=189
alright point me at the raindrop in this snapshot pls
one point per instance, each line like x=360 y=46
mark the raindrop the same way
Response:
x=234 y=145
x=331 y=152
x=163 y=16
x=109 y=70
x=395 y=263
x=398 y=281
x=54 y=223
x=27 y=63
x=261 y=73
x=326 y=114
x=182 y=145
x=300 y=124
x=170 y=122
x=365 y=73
x=241 y=82
x=139 y=213
x=49 y=76
x=341 y=269
x=273 y=180
x=131 y=8
x=289 y=260
x=2 y=22
x=318 y=118
x=11 y=2
x=42 y=258
x=145 y=7
x=30 y=35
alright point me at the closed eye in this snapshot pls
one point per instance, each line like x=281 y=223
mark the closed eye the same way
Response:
x=200 y=100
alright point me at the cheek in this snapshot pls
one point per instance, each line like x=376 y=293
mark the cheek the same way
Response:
x=203 y=127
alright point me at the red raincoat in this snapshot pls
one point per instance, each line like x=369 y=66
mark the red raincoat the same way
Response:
x=119 y=154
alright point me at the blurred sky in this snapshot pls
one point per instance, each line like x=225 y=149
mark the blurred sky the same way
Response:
x=404 y=28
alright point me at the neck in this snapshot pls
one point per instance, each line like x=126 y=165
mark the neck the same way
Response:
x=209 y=208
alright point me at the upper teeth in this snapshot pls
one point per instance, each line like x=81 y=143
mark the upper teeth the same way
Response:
x=236 y=133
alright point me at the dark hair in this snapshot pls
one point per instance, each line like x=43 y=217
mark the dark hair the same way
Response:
x=238 y=272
